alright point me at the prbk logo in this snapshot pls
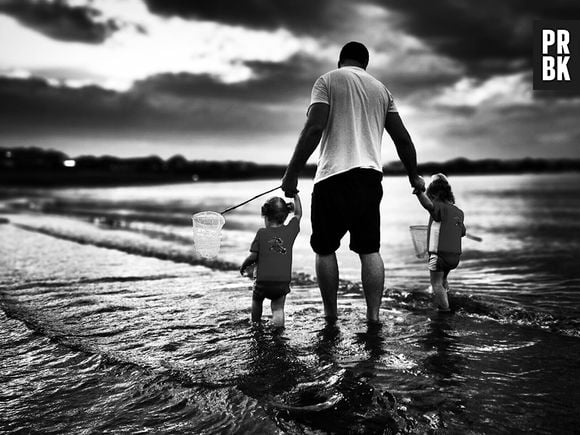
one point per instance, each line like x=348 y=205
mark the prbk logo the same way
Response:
x=557 y=55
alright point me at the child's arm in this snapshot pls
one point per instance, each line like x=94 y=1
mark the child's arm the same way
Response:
x=250 y=259
x=297 y=207
x=424 y=200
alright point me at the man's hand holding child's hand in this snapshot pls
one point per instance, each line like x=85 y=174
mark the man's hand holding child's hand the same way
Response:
x=418 y=184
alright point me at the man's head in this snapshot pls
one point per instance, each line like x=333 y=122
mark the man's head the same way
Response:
x=354 y=52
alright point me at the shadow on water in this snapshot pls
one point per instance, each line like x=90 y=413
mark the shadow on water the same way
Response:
x=313 y=390
x=273 y=366
x=442 y=361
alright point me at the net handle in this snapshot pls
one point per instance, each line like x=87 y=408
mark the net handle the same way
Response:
x=473 y=237
x=251 y=199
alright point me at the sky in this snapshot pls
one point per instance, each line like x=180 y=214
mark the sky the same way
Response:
x=231 y=79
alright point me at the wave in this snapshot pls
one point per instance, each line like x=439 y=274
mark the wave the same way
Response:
x=179 y=250
x=122 y=214
x=175 y=254
x=488 y=308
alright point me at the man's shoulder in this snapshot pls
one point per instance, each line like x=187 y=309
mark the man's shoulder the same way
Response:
x=346 y=73
x=379 y=84
x=329 y=74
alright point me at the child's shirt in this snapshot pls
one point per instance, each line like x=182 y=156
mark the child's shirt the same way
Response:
x=274 y=248
x=445 y=229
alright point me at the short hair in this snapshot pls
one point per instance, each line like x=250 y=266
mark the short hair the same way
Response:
x=354 y=51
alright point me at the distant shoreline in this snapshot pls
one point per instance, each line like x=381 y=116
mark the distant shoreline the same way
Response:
x=38 y=167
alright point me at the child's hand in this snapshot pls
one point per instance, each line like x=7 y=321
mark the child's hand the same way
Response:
x=250 y=261
x=248 y=271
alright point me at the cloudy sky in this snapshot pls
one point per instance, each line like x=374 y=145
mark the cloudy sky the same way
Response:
x=231 y=79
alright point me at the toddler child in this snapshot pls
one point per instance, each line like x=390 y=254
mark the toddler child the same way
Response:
x=444 y=235
x=271 y=252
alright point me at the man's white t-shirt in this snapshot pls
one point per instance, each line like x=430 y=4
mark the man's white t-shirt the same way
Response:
x=358 y=108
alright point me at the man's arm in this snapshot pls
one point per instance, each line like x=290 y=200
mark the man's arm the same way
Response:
x=307 y=143
x=405 y=148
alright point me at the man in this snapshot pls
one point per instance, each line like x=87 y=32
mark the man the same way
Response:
x=348 y=111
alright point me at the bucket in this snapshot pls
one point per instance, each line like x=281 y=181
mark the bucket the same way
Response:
x=207 y=227
x=419 y=237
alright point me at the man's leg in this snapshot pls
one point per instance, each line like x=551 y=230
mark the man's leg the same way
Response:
x=327 y=275
x=373 y=281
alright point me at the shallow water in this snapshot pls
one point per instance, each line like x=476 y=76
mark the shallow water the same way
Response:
x=109 y=322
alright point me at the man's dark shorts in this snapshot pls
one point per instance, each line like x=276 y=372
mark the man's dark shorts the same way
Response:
x=347 y=202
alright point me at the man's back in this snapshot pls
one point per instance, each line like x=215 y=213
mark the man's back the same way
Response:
x=349 y=111
x=358 y=108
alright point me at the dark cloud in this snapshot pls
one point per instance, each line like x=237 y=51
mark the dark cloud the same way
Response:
x=34 y=103
x=519 y=131
x=304 y=16
x=167 y=102
x=492 y=37
x=273 y=83
x=58 y=20
x=489 y=37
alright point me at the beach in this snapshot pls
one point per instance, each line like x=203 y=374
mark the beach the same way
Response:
x=111 y=324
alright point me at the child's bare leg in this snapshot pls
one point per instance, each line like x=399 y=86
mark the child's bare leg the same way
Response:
x=256 y=310
x=439 y=292
x=445 y=282
x=278 y=311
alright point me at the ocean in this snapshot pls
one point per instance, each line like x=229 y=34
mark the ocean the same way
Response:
x=110 y=323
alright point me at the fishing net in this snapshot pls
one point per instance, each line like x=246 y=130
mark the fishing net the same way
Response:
x=419 y=237
x=207 y=227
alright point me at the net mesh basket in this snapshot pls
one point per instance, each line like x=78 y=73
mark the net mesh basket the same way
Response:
x=419 y=237
x=207 y=227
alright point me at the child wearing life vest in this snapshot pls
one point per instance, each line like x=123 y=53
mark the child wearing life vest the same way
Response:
x=446 y=228
x=271 y=252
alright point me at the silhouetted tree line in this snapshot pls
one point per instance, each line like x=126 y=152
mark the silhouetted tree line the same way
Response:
x=36 y=166
x=463 y=166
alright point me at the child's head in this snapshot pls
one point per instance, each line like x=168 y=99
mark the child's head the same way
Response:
x=276 y=210
x=439 y=189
